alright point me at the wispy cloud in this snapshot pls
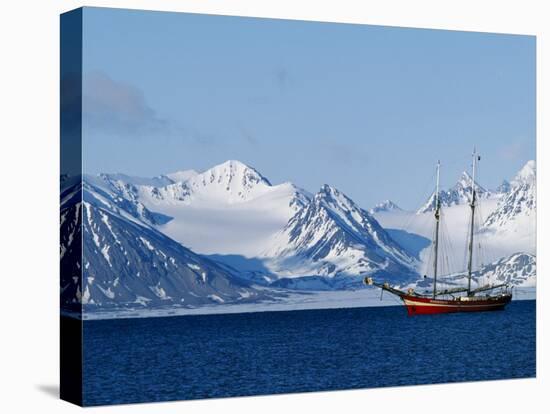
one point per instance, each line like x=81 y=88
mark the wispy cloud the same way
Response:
x=248 y=137
x=282 y=79
x=345 y=155
x=116 y=107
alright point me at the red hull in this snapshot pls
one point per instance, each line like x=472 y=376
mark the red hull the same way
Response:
x=419 y=305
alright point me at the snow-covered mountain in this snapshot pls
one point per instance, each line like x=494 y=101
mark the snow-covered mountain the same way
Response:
x=333 y=237
x=120 y=197
x=205 y=210
x=228 y=209
x=197 y=238
x=229 y=183
x=515 y=215
x=71 y=242
x=181 y=176
x=159 y=181
x=386 y=205
x=460 y=193
x=526 y=175
x=128 y=263
x=518 y=269
x=519 y=204
x=235 y=214
x=504 y=187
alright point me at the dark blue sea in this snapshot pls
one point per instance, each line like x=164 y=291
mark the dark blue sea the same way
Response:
x=190 y=357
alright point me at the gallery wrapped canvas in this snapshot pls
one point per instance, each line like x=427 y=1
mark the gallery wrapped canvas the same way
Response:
x=257 y=206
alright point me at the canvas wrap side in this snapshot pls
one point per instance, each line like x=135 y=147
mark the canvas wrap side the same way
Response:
x=71 y=206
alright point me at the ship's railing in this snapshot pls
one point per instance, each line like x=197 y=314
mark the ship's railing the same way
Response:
x=447 y=292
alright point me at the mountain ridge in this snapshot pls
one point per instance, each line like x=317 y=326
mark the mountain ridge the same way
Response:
x=386 y=205
x=460 y=193
x=333 y=236
x=127 y=262
x=515 y=210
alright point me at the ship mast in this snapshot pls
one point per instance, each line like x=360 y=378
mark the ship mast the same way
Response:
x=472 y=207
x=436 y=238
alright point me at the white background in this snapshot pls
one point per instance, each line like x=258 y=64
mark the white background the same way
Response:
x=29 y=159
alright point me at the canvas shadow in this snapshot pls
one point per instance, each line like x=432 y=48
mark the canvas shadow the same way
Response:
x=51 y=390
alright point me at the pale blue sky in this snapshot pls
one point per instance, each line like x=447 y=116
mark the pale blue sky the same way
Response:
x=367 y=109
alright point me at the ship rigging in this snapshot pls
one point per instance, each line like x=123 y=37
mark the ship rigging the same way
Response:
x=455 y=299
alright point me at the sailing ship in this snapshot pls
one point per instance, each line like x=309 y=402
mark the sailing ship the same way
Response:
x=457 y=299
